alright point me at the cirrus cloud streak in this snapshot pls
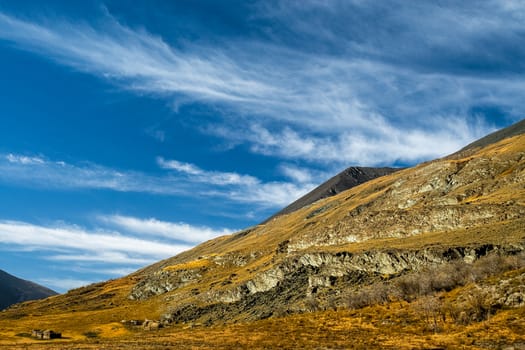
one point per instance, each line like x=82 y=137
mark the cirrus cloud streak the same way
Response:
x=117 y=245
x=319 y=98
x=181 y=179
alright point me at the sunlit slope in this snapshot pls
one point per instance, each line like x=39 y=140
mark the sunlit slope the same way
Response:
x=453 y=209
x=474 y=203
x=444 y=195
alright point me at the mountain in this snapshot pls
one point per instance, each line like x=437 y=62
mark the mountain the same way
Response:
x=513 y=130
x=426 y=257
x=15 y=290
x=343 y=181
x=409 y=220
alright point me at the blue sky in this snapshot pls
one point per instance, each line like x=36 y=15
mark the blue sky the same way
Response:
x=131 y=132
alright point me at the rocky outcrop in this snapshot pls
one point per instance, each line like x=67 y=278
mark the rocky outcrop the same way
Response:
x=285 y=287
x=162 y=282
x=326 y=269
x=509 y=292
x=437 y=196
x=151 y=325
x=396 y=223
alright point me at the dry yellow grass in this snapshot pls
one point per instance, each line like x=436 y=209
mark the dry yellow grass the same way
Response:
x=397 y=325
x=190 y=265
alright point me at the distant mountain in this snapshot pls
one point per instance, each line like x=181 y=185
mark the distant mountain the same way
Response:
x=15 y=290
x=343 y=181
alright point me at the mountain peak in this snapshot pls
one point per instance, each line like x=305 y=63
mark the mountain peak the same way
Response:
x=348 y=178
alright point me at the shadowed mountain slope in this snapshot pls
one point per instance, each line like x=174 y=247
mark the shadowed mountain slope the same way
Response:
x=343 y=181
x=15 y=290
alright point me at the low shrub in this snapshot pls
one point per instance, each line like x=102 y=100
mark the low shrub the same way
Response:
x=445 y=277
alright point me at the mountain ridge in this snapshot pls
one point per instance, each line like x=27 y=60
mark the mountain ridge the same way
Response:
x=15 y=290
x=346 y=179
x=515 y=129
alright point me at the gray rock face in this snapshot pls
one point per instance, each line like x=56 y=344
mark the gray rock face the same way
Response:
x=509 y=292
x=265 y=281
x=151 y=325
x=325 y=269
x=437 y=196
x=162 y=282
x=402 y=223
x=289 y=283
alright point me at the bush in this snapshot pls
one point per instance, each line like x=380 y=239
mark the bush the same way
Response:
x=445 y=277
x=449 y=276
x=311 y=304
x=377 y=293
x=432 y=309
x=494 y=264
x=411 y=286
x=478 y=305
x=489 y=265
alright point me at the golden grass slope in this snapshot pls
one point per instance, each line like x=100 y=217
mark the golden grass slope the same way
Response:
x=468 y=201
x=398 y=325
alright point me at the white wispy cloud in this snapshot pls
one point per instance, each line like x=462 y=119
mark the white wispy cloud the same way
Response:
x=386 y=146
x=212 y=177
x=179 y=231
x=12 y=158
x=97 y=269
x=39 y=171
x=117 y=246
x=291 y=103
x=145 y=61
x=239 y=187
x=272 y=193
x=181 y=179
x=102 y=257
x=308 y=175
x=299 y=175
x=179 y=166
x=110 y=246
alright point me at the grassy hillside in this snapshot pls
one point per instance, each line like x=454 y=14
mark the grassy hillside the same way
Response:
x=426 y=257
x=393 y=325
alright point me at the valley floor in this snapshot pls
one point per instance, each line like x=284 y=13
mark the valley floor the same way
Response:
x=398 y=325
